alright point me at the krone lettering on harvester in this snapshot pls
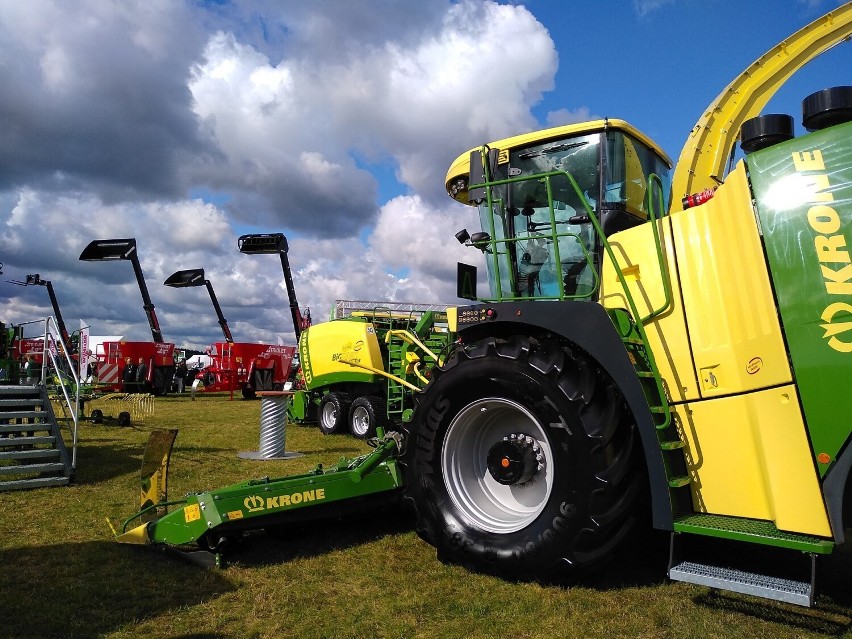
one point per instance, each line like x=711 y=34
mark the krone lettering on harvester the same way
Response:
x=830 y=246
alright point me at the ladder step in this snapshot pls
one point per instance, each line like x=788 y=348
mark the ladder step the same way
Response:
x=20 y=428
x=27 y=441
x=33 y=453
x=744 y=582
x=22 y=469
x=672 y=445
x=678 y=482
x=755 y=531
x=23 y=414
x=646 y=374
x=37 y=482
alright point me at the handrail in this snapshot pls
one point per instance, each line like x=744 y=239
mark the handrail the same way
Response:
x=49 y=352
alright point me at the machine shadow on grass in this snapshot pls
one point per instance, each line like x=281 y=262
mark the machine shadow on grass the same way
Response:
x=313 y=539
x=626 y=569
x=88 y=589
x=832 y=611
x=100 y=459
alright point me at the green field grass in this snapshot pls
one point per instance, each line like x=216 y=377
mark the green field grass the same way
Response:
x=61 y=575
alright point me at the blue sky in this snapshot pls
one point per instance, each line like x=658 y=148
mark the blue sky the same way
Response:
x=186 y=124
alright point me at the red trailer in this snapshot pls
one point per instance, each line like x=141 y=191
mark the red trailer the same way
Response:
x=237 y=366
x=158 y=357
x=247 y=367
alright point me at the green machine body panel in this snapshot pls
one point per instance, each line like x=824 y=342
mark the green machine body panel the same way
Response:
x=803 y=195
x=265 y=502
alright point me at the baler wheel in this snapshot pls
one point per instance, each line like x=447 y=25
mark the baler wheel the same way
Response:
x=333 y=412
x=365 y=415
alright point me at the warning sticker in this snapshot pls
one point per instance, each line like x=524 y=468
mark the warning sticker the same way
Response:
x=191 y=513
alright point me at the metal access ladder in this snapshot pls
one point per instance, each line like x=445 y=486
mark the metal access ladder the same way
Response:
x=32 y=450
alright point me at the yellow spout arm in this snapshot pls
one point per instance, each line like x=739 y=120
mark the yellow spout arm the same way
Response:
x=704 y=156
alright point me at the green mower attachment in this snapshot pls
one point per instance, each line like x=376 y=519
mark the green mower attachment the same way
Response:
x=211 y=519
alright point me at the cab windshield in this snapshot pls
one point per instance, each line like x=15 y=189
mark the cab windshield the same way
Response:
x=544 y=243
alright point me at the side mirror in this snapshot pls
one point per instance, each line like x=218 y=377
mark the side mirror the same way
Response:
x=466 y=282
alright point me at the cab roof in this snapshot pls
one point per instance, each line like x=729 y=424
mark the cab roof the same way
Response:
x=460 y=166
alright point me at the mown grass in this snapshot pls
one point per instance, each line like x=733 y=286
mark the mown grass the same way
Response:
x=61 y=575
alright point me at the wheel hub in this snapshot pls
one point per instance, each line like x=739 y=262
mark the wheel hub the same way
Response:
x=515 y=460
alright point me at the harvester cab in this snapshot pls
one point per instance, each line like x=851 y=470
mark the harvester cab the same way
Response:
x=159 y=357
x=549 y=200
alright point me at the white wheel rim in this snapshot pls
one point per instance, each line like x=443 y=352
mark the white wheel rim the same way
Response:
x=479 y=498
x=329 y=415
x=360 y=420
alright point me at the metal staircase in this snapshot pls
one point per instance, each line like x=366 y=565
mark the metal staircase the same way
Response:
x=32 y=449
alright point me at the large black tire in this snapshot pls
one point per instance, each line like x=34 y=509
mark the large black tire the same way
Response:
x=365 y=415
x=333 y=413
x=521 y=461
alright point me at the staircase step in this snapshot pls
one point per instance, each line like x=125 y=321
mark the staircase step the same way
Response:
x=744 y=582
x=22 y=414
x=37 y=482
x=27 y=441
x=750 y=530
x=22 y=469
x=24 y=427
x=33 y=453
x=8 y=402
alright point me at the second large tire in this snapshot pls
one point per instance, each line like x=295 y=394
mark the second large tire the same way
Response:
x=365 y=415
x=521 y=461
x=333 y=412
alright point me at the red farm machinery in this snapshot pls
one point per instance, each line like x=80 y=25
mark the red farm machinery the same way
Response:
x=245 y=367
x=115 y=356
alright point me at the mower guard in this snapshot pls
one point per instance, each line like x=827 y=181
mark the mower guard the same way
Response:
x=210 y=518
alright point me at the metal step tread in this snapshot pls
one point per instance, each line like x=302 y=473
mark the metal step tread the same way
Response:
x=19 y=391
x=33 y=453
x=37 y=482
x=22 y=414
x=23 y=427
x=751 y=530
x=744 y=582
x=23 y=469
x=19 y=401
x=26 y=441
